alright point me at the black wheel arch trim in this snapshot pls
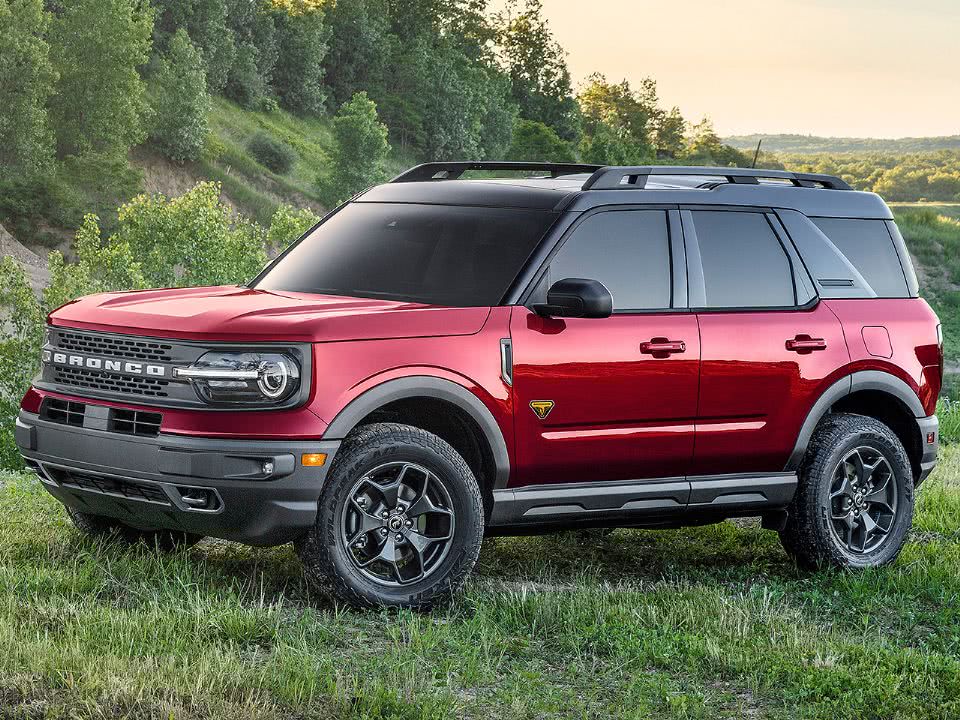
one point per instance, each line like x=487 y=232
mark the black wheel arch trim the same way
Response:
x=847 y=385
x=432 y=387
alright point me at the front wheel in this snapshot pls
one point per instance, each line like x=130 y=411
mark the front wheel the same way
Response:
x=854 y=503
x=400 y=521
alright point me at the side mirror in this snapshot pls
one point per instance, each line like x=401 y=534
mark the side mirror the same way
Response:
x=576 y=298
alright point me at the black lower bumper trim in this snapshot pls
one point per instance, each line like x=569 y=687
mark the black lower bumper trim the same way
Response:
x=251 y=491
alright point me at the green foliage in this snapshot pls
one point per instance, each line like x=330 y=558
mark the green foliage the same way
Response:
x=288 y=224
x=298 y=75
x=180 y=101
x=537 y=66
x=535 y=142
x=96 y=48
x=361 y=150
x=704 y=147
x=245 y=83
x=948 y=413
x=27 y=81
x=206 y=23
x=811 y=144
x=273 y=154
x=360 y=49
x=606 y=146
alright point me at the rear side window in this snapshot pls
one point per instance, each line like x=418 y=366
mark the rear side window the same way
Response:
x=868 y=246
x=627 y=250
x=744 y=264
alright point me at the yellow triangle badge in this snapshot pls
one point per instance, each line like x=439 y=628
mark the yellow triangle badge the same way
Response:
x=541 y=407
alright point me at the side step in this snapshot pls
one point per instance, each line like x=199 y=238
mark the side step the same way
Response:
x=625 y=500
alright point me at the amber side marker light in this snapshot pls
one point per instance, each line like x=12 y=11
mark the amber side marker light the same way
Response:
x=313 y=459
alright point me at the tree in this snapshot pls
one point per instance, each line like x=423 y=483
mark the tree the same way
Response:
x=703 y=140
x=669 y=134
x=298 y=75
x=245 y=83
x=180 y=101
x=96 y=47
x=360 y=49
x=27 y=81
x=607 y=146
x=206 y=23
x=535 y=142
x=537 y=66
x=361 y=149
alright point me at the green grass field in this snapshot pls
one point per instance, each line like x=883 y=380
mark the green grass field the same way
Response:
x=697 y=623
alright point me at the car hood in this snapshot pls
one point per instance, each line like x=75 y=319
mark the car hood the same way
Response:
x=232 y=313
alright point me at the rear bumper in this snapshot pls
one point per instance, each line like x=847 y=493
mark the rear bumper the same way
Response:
x=251 y=491
x=928 y=460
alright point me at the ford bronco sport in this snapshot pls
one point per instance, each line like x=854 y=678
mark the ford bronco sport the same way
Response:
x=442 y=358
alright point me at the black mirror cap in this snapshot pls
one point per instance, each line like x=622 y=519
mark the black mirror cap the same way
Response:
x=576 y=298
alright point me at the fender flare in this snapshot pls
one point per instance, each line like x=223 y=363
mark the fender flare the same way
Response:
x=847 y=385
x=432 y=387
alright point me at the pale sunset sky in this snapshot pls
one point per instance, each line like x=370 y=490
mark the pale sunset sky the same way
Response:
x=865 y=68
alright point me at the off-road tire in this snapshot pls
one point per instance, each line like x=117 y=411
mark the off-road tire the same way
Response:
x=326 y=559
x=98 y=526
x=809 y=536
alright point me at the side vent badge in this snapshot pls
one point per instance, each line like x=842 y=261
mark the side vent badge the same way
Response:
x=542 y=408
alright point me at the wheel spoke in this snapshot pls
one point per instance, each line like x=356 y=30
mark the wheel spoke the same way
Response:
x=387 y=554
x=845 y=489
x=368 y=521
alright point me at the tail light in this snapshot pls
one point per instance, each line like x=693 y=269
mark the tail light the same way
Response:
x=940 y=348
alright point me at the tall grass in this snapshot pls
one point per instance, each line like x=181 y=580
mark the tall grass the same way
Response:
x=948 y=413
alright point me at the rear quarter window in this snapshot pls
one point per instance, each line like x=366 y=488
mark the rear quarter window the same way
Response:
x=868 y=246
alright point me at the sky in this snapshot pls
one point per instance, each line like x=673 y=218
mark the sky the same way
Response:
x=861 y=68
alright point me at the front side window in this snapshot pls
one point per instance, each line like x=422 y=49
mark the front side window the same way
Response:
x=744 y=264
x=626 y=250
x=434 y=254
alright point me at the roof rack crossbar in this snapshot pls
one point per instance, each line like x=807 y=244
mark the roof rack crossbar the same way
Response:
x=612 y=178
x=453 y=170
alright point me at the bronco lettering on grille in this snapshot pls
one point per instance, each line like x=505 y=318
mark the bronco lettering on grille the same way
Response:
x=95 y=363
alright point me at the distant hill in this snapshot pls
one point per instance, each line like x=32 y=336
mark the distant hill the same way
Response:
x=813 y=144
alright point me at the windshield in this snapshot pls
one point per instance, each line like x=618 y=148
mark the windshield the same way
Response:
x=435 y=254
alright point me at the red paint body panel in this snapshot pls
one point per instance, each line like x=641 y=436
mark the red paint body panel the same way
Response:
x=912 y=327
x=232 y=313
x=754 y=392
x=619 y=414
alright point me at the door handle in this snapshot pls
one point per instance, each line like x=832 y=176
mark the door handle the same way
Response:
x=805 y=344
x=662 y=347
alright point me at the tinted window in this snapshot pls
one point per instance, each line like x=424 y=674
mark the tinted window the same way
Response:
x=442 y=255
x=868 y=246
x=628 y=251
x=744 y=264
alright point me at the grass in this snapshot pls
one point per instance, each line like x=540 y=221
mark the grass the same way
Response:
x=696 y=623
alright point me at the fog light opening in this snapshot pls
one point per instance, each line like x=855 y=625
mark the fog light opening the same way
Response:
x=201 y=499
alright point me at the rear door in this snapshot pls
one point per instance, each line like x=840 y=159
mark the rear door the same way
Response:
x=767 y=345
x=612 y=398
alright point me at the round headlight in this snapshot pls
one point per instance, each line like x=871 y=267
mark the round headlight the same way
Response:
x=273 y=378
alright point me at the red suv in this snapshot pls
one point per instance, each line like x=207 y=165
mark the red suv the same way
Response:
x=443 y=358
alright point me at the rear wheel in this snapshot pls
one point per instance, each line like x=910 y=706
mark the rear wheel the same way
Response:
x=400 y=520
x=854 y=503
x=98 y=526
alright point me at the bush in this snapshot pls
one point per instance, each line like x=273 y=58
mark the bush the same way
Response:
x=535 y=142
x=287 y=225
x=275 y=155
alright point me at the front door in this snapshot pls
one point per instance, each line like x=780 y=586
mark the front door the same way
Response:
x=613 y=398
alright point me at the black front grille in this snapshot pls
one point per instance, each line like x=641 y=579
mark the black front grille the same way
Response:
x=134 y=422
x=112 y=345
x=110 y=382
x=129 y=489
x=65 y=412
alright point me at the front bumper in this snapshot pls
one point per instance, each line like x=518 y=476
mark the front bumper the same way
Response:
x=220 y=488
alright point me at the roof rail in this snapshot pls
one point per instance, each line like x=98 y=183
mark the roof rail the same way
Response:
x=612 y=178
x=453 y=170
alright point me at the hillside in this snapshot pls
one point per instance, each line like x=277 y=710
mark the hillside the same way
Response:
x=814 y=144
